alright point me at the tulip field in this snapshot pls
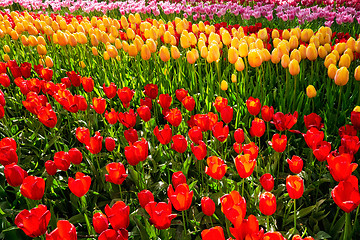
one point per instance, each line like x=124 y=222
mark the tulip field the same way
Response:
x=178 y=119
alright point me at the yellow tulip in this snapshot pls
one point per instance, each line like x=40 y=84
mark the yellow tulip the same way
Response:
x=322 y=52
x=190 y=57
x=285 y=61
x=311 y=52
x=167 y=37
x=233 y=78
x=24 y=40
x=350 y=53
x=94 y=51
x=112 y=51
x=332 y=69
x=262 y=34
x=226 y=38
x=145 y=52
x=224 y=85
x=106 y=56
x=72 y=40
x=132 y=50
x=6 y=49
x=151 y=44
x=286 y=34
x=357 y=73
x=243 y=50
x=345 y=61
x=232 y=55
x=184 y=41
x=341 y=76
x=311 y=91
x=82 y=64
x=49 y=62
x=254 y=58
x=41 y=49
x=275 y=56
x=294 y=67
x=175 y=53
x=293 y=42
x=295 y=54
x=204 y=52
x=6 y=57
x=164 y=54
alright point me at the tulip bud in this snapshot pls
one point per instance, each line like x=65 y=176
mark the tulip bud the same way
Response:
x=175 y=53
x=286 y=34
x=224 y=85
x=322 y=52
x=190 y=57
x=239 y=65
x=232 y=55
x=145 y=52
x=311 y=52
x=151 y=44
x=311 y=91
x=243 y=49
x=132 y=50
x=330 y=59
x=302 y=50
x=285 y=61
x=233 y=78
x=341 y=76
x=204 y=52
x=49 y=62
x=6 y=57
x=106 y=56
x=332 y=71
x=164 y=54
x=275 y=57
x=94 y=51
x=345 y=61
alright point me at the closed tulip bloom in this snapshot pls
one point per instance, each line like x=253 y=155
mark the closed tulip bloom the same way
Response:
x=34 y=222
x=110 y=91
x=181 y=198
x=75 y=156
x=25 y=69
x=355 y=119
x=295 y=186
x=267 y=113
x=33 y=187
x=62 y=160
x=220 y=103
x=151 y=90
x=144 y=113
x=239 y=135
x=278 y=143
x=174 y=117
x=257 y=128
x=267 y=203
x=357 y=73
x=75 y=78
x=341 y=167
x=118 y=215
x=165 y=101
x=332 y=70
x=99 y=105
x=224 y=85
x=8 y=151
x=322 y=150
x=145 y=196
x=125 y=94
x=295 y=164
x=160 y=214
x=137 y=152
x=179 y=143
x=64 y=230
x=83 y=135
x=254 y=58
x=311 y=91
x=233 y=205
x=100 y=222
x=251 y=149
x=4 y=80
x=199 y=151
x=189 y=103
x=341 y=76
x=14 y=174
x=95 y=143
x=163 y=136
x=128 y=119
x=80 y=185
x=294 y=67
x=111 y=117
x=227 y=114
x=213 y=233
x=313 y=136
x=207 y=206
x=216 y=167
x=181 y=94
x=346 y=194
x=146 y=102
x=195 y=134
x=313 y=120
x=50 y=167
x=110 y=144
x=267 y=182
x=178 y=178
x=47 y=116
x=220 y=131
x=87 y=83
x=245 y=165
x=253 y=105
x=117 y=173
x=164 y=54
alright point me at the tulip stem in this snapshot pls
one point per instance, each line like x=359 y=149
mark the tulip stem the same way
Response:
x=121 y=196
x=184 y=222
x=268 y=223
x=347 y=226
x=243 y=184
x=339 y=103
x=294 y=216
x=356 y=216
x=333 y=222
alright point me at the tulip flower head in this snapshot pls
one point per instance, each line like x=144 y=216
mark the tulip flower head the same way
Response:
x=295 y=186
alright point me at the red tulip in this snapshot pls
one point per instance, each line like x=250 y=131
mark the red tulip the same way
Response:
x=253 y=105
x=347 y=130
x=340 y=167
x=207 y=206
x=215 y=233
x=284 y=122
x=111 y=117
x=66 y=81
x=151 y=90
x=5 y=80
x=216 y=167
x=178 y=178
x=346 y=194
x=100 y=222
x=267 y=182
x=83 y=135
x=163 y=136
x=125 y=94
x=165 y=101
x=145 y=196
x=220 y=131
x=62 y=160
x=144 y=113
x=181 y=198
x=128 y=119
x=237 y=147
x=349 y=144
x=110 y=91
x=75 y=78
x=2 y=98
x=355 y=118
x=257 y=128
x=295 y=186
x=118 y=215
x=251 y=149
x=227 y=114
x=25 y=69
x=111 y=234
x=64 y=230
x=267 y=203
x=82 y=105
x=181 y=94
x=110 y=144
x=322 y=150
x=295 y=164
x=117 y=173
x=160 y=214
x=220 y=103
x=3 y=67
x=131 y=135
x=33 y=187
x=312 y=137
x=195 y=134
x=46 y=74
x=267 y=113
x=313 y=120
x=234 y=207
x=8 y=153
x=249 y=228
x=174 y=117
x=47 y=116
x=179 y=143
x=87 y=83
x=14 y=175
x=50 y=167
x=273 y=236
x=199 y=151
x=245 y=165
x=146 y=102
x=75 y=156
x=34 y=222
x=95 y=143
x=239 y=135
x=99 y=105
x=80 y=185
x=278 y=143
x=189 y=103
x=137 y=152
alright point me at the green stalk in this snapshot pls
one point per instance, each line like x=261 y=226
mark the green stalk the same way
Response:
x=184 y=222
x=294 y=216
x=347 y=230
x=268 y=223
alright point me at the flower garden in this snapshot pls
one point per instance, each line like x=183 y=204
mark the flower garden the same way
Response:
x=179 y=119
